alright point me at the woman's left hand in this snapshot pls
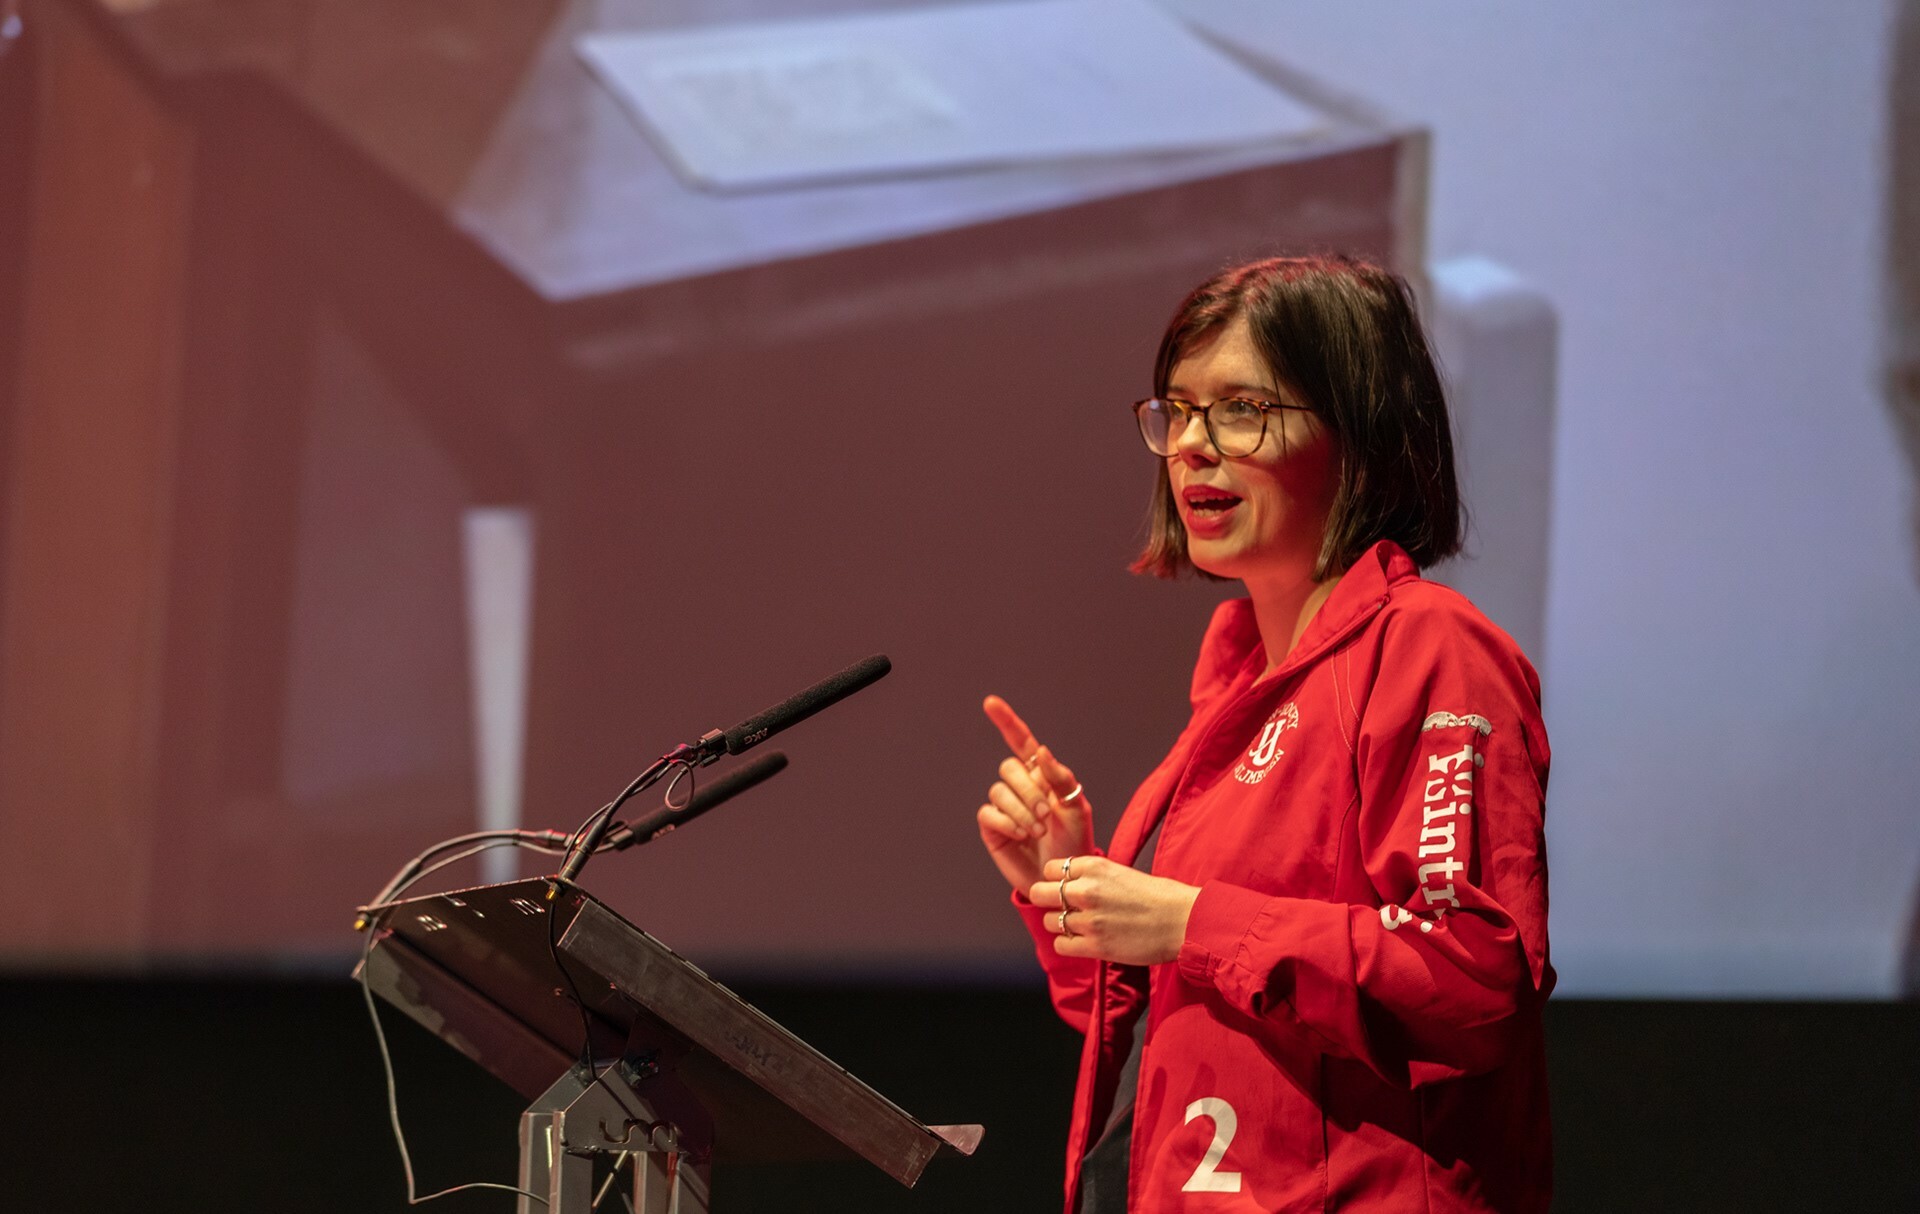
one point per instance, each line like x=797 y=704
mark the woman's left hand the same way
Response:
x=1113 y=912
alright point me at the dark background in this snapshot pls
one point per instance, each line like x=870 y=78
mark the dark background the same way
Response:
x=245 y=1094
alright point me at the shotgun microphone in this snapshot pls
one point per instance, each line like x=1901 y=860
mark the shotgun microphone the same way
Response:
x=664 y=819
x=714 y=743
x=788 y=712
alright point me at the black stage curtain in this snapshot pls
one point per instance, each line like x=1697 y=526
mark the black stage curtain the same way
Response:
x=248 y=1093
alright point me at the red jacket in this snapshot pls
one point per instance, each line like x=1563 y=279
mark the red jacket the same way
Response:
x=1355 y=1013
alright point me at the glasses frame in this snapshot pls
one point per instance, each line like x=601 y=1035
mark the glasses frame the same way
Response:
x=1266 y=408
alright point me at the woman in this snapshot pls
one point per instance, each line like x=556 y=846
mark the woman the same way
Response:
x=1310 y=964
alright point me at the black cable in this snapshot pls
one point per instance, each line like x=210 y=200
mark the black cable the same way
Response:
x=541 y=840
x=423 y=874
x=645 y=778
x=580 y=1004
x=417 y=870
x=380 y=1035
x=593 y=831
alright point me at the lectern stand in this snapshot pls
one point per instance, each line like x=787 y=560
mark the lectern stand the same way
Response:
x=685 y=1074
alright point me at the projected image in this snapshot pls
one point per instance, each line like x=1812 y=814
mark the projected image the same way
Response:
x=480 y=470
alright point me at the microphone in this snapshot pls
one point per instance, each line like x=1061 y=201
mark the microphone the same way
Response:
x=664 y=819
x=795 y=709
x=714 y=743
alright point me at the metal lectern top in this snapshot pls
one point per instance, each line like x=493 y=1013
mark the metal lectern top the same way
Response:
x=477 y=968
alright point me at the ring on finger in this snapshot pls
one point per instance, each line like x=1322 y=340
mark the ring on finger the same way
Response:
x=1063 y=894
x=1066 y=870
x=1064 y=929
x=1073 y=796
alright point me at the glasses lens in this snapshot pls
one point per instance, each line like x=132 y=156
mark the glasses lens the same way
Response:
x=1238 y=426
x=1160 y=424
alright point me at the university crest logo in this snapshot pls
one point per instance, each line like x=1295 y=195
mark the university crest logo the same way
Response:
x=1266 y=748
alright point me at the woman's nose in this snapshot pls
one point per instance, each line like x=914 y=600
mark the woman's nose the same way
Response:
x=1194 y=444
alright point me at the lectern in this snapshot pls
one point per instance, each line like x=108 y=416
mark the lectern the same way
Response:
x=685 y=1074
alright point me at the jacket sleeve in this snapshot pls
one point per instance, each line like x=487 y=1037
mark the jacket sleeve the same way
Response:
x=1436 y=975
x=1070 y=980
x=1231 y=634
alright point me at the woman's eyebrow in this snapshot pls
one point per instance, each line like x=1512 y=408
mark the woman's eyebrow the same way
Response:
x=1229 y=391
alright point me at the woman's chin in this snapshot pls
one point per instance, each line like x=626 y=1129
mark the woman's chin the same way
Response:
x=1212 y=557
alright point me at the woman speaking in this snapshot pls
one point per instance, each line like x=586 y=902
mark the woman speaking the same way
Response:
x=1311 y=962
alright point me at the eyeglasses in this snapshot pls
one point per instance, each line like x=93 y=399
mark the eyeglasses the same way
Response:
x=1236 y=427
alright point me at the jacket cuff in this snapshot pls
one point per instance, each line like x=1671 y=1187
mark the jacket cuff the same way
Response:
x=1217 y=929
x=1287 y=959
x=1034 y=917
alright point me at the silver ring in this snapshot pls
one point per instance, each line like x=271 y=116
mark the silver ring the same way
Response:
x=1066 y=871
x=1064 y=929
x=1063 y=895
x=1073 y=796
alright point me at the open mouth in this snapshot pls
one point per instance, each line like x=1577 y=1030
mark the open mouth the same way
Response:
x=1210 y=503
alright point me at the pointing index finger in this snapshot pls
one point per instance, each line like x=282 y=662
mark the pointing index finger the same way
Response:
x=1055 y=775
x=1013 y=730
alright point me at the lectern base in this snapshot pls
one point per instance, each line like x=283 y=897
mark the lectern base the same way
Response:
x=580 y=1119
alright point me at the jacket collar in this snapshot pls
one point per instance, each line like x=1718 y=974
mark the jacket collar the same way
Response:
x=1233 y=644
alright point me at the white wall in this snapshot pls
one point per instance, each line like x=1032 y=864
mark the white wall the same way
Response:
x=1733 y=650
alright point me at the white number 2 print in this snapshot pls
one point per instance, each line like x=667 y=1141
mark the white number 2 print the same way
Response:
x=1207 y=1178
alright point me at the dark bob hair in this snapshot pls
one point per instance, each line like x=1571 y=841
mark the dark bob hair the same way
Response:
x=1343 y=335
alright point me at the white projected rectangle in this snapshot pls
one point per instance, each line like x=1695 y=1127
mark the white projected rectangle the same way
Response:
x=766 y=104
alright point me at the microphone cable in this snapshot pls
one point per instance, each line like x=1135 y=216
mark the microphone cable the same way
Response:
x=417 y=870
x=648 y=777
x=372 y=930
x=682 y=766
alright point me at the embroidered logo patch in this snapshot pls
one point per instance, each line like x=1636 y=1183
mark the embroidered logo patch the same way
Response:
x=1448 y=720
x=1266 y=748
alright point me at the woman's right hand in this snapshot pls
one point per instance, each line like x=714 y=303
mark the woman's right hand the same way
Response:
x=1026 y=822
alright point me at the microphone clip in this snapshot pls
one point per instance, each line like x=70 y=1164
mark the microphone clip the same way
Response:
x=704 y=753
